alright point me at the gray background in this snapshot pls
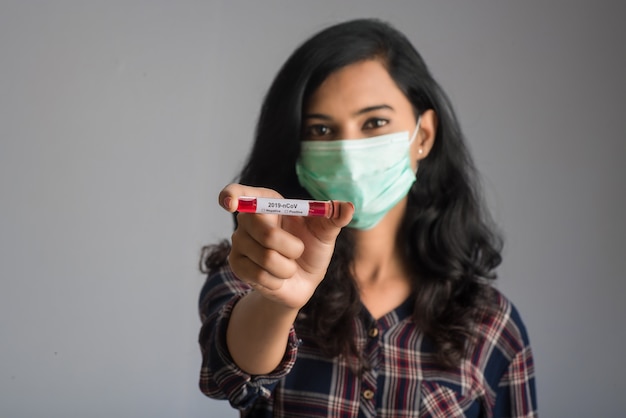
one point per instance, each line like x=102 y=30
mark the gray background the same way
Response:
x=121 y=120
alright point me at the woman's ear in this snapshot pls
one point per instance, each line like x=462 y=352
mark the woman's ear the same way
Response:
x=425 y=137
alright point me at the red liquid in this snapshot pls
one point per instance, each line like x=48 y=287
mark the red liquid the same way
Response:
x=320 y=209
x=246 y=205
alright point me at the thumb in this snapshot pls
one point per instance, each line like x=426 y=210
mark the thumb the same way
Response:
x=342 y=213
x=327 y=229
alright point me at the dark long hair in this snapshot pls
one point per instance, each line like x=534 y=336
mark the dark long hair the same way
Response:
x=450 y=242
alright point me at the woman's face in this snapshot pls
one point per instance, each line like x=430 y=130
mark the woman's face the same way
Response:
x=359 y=101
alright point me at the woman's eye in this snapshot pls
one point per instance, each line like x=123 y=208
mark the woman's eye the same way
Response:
x=374 y=123
x=316 y=131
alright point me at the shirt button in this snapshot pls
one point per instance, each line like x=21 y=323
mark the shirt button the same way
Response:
x=373 y=332
x=368 y=394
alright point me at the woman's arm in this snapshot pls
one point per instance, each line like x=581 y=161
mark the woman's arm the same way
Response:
x=283 y=259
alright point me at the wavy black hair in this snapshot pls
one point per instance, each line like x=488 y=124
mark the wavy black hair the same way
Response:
x=450 y=241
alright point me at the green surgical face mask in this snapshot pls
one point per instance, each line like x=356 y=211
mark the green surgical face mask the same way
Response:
x=373 y=173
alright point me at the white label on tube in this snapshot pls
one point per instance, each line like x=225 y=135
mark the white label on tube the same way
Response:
x=282 y=206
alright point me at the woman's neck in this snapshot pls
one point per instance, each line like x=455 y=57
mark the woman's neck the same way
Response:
x=378 y=251
x=377 y=256
x=382 y=278
x=380 y=270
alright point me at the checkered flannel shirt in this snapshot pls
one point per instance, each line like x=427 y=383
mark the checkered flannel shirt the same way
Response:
x=496 y=378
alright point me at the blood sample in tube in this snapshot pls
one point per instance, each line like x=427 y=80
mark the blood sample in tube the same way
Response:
x=289 y=207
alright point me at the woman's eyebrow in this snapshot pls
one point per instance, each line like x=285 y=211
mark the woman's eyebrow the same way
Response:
x=373 y=108
x=316 y=116
x=357 y=113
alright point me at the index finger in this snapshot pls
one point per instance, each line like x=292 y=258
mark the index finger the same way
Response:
x=229 y=196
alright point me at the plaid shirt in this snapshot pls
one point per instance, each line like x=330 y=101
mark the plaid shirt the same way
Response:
x=496 y=379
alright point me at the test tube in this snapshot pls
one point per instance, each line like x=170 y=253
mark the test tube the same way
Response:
x=290 y=207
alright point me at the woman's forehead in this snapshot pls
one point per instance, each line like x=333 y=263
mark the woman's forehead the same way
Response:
x=354 y=87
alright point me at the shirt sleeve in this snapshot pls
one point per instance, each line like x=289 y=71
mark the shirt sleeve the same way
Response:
x=220 y=377
x=516 y=394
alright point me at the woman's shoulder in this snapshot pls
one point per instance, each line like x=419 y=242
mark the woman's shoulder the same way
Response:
x=501 y=334
x=221 y=284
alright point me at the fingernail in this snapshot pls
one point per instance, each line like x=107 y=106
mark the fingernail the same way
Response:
x=227 y=201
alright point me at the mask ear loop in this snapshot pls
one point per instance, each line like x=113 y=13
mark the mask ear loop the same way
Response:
x=417 y=128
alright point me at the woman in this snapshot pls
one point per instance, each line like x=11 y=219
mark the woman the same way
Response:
x=385 y=309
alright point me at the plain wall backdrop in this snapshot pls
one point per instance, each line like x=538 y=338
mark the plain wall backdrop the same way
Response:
x=120 y=121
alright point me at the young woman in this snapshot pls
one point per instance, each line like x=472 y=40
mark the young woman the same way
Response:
x=385 y=309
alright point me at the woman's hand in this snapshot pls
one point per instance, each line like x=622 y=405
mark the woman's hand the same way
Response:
x=282 y=257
